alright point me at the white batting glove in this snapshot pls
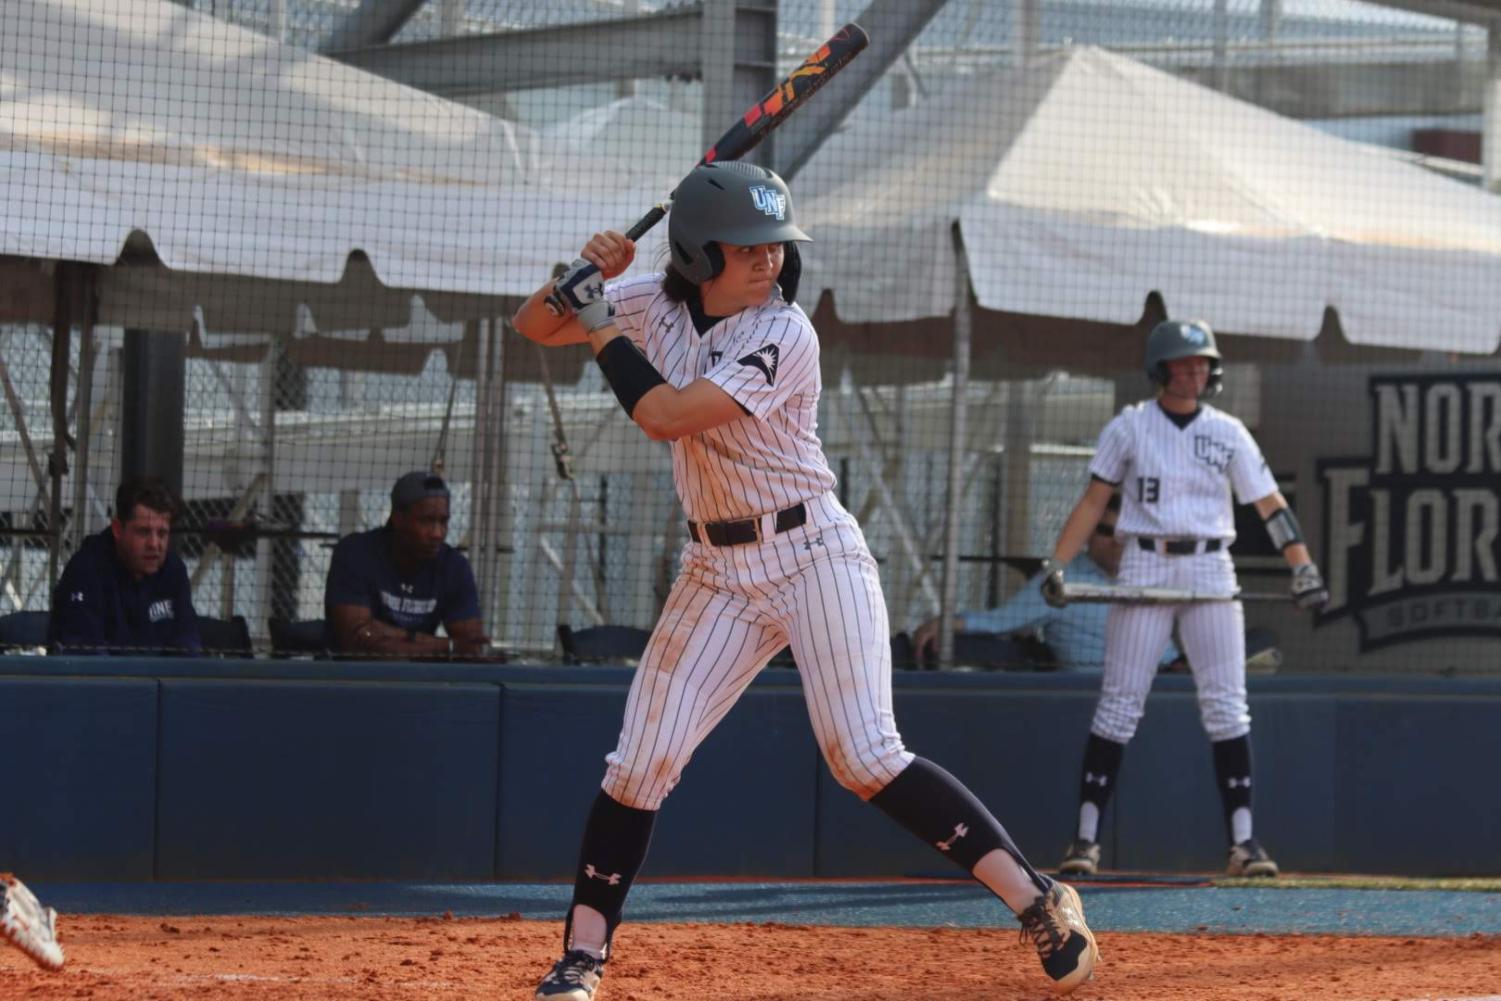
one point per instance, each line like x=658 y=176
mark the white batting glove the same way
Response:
x=1052 y=585
x=1308 y=587
x=582 y=287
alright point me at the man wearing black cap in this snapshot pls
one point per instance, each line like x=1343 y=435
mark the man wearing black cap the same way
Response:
x=389 y=588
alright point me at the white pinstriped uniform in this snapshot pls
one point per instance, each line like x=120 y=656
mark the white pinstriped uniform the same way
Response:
x=733 y=607
x=1176 y=483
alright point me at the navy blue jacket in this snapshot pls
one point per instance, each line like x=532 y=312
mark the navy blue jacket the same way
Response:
x=99 y=608
x=363 y=573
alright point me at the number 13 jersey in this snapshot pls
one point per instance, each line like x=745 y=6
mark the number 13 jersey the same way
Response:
x=1176 y=482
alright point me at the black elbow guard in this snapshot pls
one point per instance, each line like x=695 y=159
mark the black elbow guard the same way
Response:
x=1283 y=528
x=628 y=372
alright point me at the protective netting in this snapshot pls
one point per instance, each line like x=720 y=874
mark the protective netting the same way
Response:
x=320 y=262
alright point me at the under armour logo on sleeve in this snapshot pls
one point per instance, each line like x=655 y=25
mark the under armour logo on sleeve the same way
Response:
x=1090 y=778
x=960 y=830
x=592 y=873
x=765 y=359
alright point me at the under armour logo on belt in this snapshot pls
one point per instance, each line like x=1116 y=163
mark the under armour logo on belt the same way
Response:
x=959 y=831
x=1091 y=779
x=613 y=878
x=1232 y=783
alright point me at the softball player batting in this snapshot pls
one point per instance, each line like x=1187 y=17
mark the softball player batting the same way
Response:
x=1176 y=461
x=714 y=357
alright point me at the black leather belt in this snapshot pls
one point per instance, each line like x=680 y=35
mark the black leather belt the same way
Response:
x=1178 y=547
x=738 y=533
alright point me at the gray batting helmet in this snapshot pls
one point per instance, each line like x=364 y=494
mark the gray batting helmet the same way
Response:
x=1173 y=339
x=731 y=202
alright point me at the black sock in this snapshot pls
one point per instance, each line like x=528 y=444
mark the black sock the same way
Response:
x=616 y=837
x=936 y=807
x=1232 y=767
x=1102 y=764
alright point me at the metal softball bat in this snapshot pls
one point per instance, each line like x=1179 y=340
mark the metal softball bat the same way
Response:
x=1125 y=594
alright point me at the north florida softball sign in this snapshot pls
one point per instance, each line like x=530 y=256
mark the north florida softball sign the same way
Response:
x=1411 y=530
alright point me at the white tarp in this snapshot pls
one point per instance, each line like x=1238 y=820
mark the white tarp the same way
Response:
x=137 y=122
x=1089 y=180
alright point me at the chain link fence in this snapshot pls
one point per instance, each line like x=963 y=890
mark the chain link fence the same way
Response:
x=293 y=435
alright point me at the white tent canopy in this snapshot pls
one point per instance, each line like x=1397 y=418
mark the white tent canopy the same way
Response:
x=1087 y=181
x=142 y=129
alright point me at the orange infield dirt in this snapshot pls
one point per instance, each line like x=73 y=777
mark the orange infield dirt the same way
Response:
x=386 y=959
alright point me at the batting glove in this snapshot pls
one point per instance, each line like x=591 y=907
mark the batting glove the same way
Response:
x=582 y=287
x=1052 y=585
x=1308 y=587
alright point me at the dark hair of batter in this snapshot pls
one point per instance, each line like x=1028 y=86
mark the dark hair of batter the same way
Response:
x=678 y=288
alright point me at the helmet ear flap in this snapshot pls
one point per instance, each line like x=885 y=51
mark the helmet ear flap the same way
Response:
x=714 y=258
x=698 y=267
x=792 y=271
x=1216 y=383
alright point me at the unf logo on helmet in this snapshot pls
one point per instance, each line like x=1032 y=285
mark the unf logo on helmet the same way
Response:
x=770 y=200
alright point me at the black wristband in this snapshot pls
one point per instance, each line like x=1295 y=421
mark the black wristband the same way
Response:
x=628 y=372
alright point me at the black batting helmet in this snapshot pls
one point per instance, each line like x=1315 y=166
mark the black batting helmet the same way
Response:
x=731 y=202
x=1174 y=339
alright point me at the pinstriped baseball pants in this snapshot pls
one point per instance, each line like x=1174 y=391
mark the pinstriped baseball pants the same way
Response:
x=1212 y=635
x=730 y=610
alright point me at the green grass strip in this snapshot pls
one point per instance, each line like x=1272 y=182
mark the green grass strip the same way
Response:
x=1472 y=884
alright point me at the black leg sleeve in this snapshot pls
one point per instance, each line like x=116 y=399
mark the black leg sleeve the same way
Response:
x=616 y=838
x=936 y=807
x=1232 y=767
x=1102 y=763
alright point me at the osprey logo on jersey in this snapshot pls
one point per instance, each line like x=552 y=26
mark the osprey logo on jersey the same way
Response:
x=765 y=359
x=770 y=201
x=1213 y=453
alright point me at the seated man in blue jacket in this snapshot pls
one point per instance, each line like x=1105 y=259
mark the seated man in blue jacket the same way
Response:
x=1076 y=633
x=125 y=591
x=389 y=589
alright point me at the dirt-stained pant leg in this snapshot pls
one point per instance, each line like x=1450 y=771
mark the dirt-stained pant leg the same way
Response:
x=835 y=614
x=708 y=645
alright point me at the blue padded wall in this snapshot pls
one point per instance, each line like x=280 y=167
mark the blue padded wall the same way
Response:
x=327 y=780
x=1417 y=788
x=134 y=769
x=80 y=778
x=745 y=804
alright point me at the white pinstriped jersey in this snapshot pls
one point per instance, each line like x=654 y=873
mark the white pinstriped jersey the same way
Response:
x=1177 y=482
x=766 y=358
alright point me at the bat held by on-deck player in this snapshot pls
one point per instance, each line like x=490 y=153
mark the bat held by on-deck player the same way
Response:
x=1125 y=594
x=757 y=123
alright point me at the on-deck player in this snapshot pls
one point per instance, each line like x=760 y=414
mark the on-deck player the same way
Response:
x=715 y=357
x=1176 y=461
